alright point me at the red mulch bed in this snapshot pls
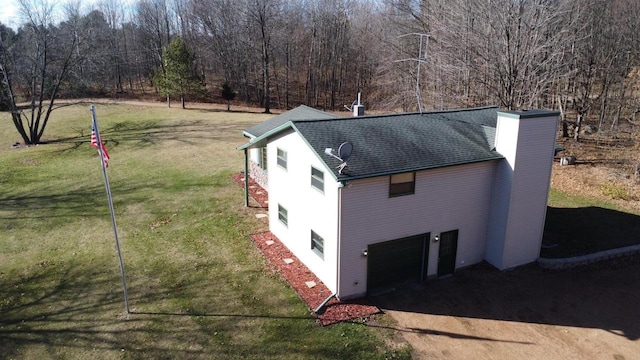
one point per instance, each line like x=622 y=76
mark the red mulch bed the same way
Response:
x=297 y=274
x=255 y=191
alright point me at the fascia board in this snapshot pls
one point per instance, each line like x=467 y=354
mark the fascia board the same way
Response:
x=255 y=141
x=348 y=178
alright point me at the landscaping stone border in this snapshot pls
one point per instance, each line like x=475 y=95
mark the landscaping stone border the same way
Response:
x=567 y=263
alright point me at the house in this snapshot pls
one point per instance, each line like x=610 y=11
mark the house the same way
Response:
x=421 y=195
x=257 y=159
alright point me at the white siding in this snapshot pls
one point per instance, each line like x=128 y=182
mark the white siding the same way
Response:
x=445 y=199
x=254 y=155
x=308 y=209
x=519 y=202
x=506 y=144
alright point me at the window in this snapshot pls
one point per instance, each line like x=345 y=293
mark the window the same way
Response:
x=402 y=184
x=317 y=244
x=282 y=158
x=283 y=215
x=263 y=158
x=317 y=179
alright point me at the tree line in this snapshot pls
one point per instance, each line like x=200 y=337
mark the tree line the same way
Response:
x=580 y=57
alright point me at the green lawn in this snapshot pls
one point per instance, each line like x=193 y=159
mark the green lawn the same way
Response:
x=197 y=285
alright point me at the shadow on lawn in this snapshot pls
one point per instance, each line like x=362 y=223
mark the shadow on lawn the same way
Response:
x=152 y=132
x=61 y=205
x=603 y=296
x=579 y=231
x=201 y=314
x=57 y=203
x=56 y=306
x=65 y=306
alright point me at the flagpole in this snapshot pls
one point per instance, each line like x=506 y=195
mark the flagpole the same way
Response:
x=113 y=217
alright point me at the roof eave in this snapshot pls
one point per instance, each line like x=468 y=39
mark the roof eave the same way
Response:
x=264 y=139
x=257 y=141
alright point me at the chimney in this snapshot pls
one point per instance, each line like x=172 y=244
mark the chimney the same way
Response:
x=358 y=109
x=526 y=139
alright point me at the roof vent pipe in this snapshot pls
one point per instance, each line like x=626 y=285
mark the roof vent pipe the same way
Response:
x=358 y=109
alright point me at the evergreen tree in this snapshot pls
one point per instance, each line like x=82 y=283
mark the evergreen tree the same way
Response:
x=176 y=76
x=228 y=94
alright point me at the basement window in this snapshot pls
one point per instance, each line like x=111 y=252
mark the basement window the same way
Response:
x=402 y=184
x=317 y=179
x=317 y=244
x=282 y=158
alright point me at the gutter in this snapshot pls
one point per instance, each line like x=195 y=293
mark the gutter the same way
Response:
x=387 y=173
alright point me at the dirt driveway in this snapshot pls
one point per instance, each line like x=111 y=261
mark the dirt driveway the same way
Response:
x=527 y=313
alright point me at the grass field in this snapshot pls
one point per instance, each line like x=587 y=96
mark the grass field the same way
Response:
x=198 y=287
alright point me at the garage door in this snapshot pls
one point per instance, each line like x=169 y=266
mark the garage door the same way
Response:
x=396 y=261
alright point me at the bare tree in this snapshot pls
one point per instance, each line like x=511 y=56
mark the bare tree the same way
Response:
x=578 y=56
x=262 y=17
x=112 y=12
x=154 y=32
x=223 y=43
x=518 y=44
x=7 y=65
x=586 y=60
x=45 y=54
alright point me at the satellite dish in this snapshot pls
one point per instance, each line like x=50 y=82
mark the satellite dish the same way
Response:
x=344 y=152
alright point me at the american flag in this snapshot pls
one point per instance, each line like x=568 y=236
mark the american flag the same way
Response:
x=94 y=143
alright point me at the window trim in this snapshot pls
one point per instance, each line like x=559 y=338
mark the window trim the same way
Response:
x=402 y=188
x=317 y=181
x=283 y=215
x=263 y=158
x=281 y=158
x=317 y=244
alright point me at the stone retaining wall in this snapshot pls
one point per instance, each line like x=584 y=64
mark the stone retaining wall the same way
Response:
x=566 y=263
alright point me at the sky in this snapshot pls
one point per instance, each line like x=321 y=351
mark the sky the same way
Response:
x=9 y=13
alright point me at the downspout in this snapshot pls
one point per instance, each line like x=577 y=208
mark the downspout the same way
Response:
x=246 y=179
x=339 y=242
x=323 y=303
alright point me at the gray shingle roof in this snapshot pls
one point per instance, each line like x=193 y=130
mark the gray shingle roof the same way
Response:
x=300 y=113
x=388 y=144
x=404 y=142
